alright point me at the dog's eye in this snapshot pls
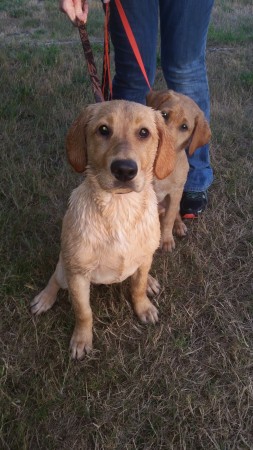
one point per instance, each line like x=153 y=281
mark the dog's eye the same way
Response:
x=183 y=127
x=104 y=130
x=143 y=133
x=165 y=115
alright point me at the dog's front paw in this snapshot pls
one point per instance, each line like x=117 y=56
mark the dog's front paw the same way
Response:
x=167 y=243
x=180 y=229
x=42 y=302
x=81 y=343
x=153 y=286
x=146 y=312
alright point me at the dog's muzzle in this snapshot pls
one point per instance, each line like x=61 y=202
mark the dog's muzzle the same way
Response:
x=124 y=169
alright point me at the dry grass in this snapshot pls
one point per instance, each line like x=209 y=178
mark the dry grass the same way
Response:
x=183 y=384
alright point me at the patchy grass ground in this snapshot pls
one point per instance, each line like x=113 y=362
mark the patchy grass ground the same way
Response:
x=183 y=384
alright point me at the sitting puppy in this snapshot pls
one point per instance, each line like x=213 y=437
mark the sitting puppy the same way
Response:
x=189 y=129
x=111 y=228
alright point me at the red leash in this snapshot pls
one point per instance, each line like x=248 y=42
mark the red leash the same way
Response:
x=131 y=39
x=106 y=77
x=105 y=93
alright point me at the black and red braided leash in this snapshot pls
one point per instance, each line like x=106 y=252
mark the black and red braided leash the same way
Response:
x=105 y=92
x=95 y=83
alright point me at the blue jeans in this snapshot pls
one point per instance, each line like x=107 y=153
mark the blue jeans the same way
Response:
x=183 y=31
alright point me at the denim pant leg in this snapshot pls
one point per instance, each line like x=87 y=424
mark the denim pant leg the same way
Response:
x=129 y=82
x=184 y=26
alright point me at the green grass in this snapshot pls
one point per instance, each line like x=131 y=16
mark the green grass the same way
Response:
x=232 y=23
x=242 y=35
x=5 y=5
x=247 y=79
x=185 y=383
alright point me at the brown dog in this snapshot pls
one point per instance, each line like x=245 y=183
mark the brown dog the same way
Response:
x=111 y=228
x=189 y=129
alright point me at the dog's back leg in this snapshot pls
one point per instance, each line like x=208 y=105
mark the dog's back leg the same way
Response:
x=46 y=298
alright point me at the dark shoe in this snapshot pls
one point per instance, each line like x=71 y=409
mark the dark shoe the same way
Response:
x=193 y=204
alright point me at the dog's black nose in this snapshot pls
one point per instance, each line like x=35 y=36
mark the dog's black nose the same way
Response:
x=124 y=169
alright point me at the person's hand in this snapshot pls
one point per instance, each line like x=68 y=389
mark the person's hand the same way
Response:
x=76 y=10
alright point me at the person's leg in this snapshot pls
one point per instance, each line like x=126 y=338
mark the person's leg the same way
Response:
x=184 y=26
x=129 y=82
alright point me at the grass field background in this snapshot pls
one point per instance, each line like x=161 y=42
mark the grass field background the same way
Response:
x=186 y=383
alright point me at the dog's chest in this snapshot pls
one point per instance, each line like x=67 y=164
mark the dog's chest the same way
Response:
x=115 y=268
x=121 y=256
x=121 y=259
x=112 y=244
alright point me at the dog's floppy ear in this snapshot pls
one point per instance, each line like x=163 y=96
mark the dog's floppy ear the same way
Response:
x=166 y=151
x=201 y=134
x=76 y=141
x=156 y=98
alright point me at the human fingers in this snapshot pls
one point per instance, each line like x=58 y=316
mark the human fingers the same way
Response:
x=67 y=7
x=76 y=10
x=81 y=9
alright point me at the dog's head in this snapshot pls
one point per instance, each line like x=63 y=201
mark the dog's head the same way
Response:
x=119 y=143
x=185 y=120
